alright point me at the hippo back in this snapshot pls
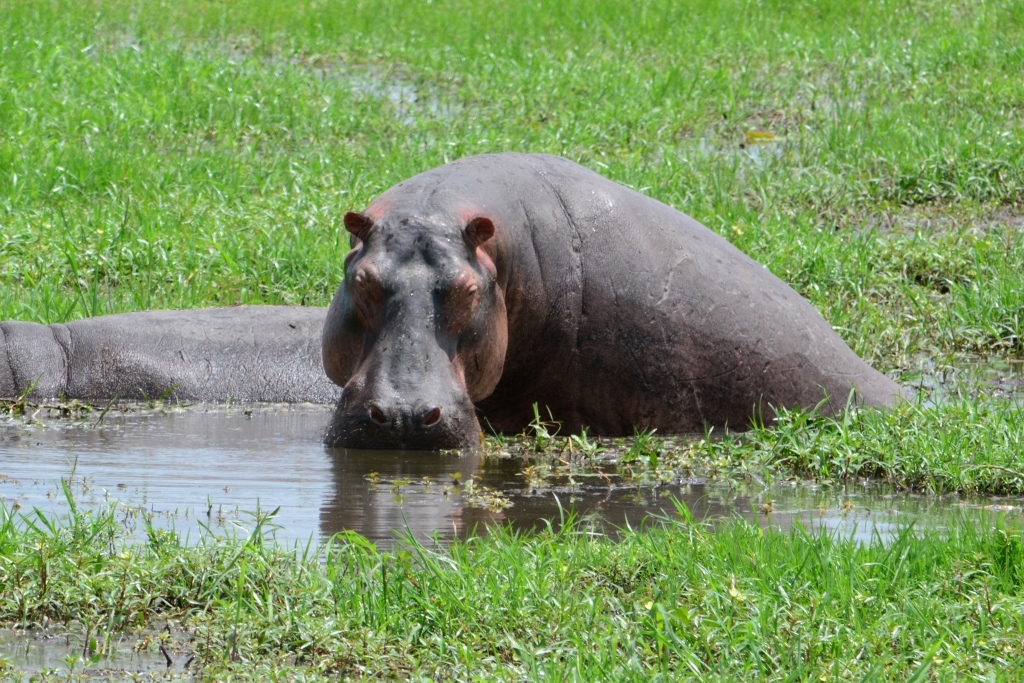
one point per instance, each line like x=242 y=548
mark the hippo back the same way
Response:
x=625 y=312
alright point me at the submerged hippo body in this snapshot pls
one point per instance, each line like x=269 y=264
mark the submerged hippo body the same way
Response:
x=244 y=353
x=503 y=281
x=479 y=289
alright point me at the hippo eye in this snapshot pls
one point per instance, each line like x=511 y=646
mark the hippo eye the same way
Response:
x=462 y=303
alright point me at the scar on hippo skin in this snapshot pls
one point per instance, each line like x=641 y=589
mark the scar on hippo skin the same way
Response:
x=476 y=290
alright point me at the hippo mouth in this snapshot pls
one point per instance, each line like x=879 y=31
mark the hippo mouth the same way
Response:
x=419 y=426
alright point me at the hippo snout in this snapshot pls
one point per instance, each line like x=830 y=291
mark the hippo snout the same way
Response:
x=401 y=416
x=395 y=423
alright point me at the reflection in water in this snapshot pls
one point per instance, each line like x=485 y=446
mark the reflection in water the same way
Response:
x=212 y=467
x=185 y=468
x=856 y=513
x=378 y=493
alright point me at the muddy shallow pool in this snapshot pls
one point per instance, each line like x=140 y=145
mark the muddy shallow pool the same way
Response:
x=220 y=467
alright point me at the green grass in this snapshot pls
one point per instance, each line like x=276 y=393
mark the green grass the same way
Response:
x=960 y=445
x=195 y=153
x=677 y=602
x=201 y=153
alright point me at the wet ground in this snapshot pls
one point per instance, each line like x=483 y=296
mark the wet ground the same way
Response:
x=55 y=655
x=222 y=468
x=973 y=377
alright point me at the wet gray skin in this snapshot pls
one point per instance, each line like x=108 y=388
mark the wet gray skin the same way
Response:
x=239 y=353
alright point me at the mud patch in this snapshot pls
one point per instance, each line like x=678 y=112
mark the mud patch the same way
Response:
x=941 y=220
x=406 y=97
x=755 y=149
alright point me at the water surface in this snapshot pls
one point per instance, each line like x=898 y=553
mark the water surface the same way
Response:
x=163 y=656
x=219 y=467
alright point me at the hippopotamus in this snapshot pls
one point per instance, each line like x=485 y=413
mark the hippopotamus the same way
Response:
x=474 y=292
x=243 y=353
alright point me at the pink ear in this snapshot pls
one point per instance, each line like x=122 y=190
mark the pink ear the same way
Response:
x=358 y=224
x=479 y=230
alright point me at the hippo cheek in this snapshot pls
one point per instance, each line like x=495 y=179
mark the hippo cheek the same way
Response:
x=342 y=340
x=479 y=366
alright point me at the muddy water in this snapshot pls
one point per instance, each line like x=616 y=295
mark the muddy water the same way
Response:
x=220 y=468
x=1001 y=379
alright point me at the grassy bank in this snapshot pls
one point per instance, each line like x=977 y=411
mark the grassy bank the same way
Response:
x=679 y=602
x=964 y=446
x=201 y=153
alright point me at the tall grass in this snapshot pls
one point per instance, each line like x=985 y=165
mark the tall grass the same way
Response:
x=194 y=153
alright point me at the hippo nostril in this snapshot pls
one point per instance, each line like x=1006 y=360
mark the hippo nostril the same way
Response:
x=377 y=415
x=432 y=418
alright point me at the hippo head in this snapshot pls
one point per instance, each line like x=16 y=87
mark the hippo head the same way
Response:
x=416 y=333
